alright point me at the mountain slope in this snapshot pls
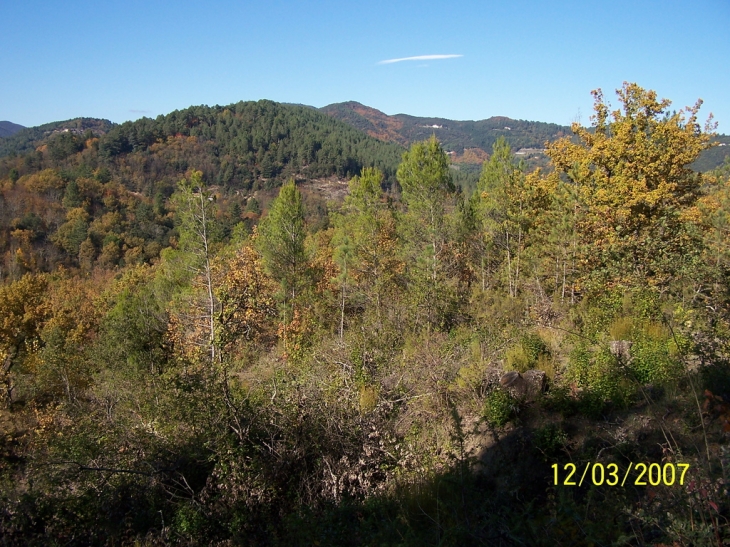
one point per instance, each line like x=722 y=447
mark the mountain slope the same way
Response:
x=469 y=142
x=714 y=157
x=455 y=136
x=247 y=145
x=29 y=138
x=74 y=194
x=8 y=129
x=369 y=120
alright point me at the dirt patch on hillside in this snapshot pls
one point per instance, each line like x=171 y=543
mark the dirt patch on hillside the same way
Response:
x=331 y=188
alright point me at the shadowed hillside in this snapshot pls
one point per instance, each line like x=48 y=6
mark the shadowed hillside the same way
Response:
x=8 y=129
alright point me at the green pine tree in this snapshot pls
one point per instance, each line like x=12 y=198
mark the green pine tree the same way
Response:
x=280 y=241
x=427 y=192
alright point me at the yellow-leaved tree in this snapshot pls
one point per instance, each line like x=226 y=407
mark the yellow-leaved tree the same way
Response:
x=23 y=311
x=246 y=296
x=635 y=191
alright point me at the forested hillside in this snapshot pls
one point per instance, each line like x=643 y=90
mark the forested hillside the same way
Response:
x=454 y=135
x=85 y=191
x=408 y=365
x=715 y=156
x=29 y=138
x=237 y=146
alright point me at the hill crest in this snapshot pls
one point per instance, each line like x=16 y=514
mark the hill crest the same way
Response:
x=8 y=129
x=465 y=141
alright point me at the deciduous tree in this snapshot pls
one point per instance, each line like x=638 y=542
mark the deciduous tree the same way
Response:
x=197 y=226
x=633 y=182
x=23 y=311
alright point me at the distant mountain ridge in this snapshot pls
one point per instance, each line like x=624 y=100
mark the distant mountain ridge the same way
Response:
x=470 y=142
x=8 y=129
x=466 y=140
x=27 y=138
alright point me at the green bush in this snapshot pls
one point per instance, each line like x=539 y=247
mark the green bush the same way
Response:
x=526 y=354
x=499 y=408
x=559 y=400
x=517 y=359
x=534 y=346
x=188 y=521
x=655 y=350
x=592 y=404
x=597 y=372
x=549 y=440
x=654 y=355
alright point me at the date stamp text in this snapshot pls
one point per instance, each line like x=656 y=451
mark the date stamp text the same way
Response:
x=639 y=474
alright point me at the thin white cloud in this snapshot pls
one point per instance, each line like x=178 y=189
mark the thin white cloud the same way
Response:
x=418 y=58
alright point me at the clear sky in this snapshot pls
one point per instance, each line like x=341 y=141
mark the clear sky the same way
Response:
x=532 y=60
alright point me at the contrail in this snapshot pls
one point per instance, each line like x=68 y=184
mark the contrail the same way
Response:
x=418 y=58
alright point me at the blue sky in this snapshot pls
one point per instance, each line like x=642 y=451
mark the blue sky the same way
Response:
x=532 y=60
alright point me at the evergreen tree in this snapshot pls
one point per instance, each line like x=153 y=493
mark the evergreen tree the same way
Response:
x=427 y=191
x=503 y=211
x=72 y=196
x=280 y=241
x=366 y=242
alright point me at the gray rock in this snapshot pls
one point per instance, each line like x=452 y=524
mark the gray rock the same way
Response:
x=510 y=379
x=526 y=386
